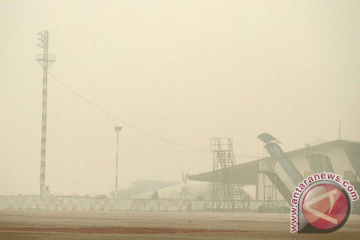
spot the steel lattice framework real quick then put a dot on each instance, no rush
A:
(226, 192)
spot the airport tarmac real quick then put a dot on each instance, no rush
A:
(38, 224)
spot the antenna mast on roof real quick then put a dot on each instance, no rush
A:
(340, 130)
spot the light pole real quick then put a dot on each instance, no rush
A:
(117, 130)
(45, 60)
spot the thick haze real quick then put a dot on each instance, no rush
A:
(185, 71)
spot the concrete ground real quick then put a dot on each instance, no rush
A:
(38, 224)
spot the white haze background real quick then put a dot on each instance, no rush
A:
(182, 70)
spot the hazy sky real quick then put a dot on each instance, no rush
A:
(185, 71)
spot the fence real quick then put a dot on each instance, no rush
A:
(73, 203)
(98, 204)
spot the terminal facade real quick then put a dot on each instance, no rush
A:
(276, 176)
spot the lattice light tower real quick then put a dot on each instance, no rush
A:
(226, 192)
(45, 60)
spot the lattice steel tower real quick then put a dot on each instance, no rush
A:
(226, 191)
(45, 60)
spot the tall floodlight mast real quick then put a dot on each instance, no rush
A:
(117, 130)
(45, 60)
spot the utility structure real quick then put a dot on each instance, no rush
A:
(117, 130)
(227, 194)
(185, 191)
(45, 60)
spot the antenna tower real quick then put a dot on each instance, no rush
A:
(45, 60)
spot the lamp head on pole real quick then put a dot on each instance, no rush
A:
(42, 38)
(118, 129)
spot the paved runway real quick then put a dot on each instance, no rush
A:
(37, 224)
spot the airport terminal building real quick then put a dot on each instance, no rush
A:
(276, 176)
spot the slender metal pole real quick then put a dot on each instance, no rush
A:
(45, 60)
(117, 159)
(43, 125)
(117, 130)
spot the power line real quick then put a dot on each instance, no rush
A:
(130, 125)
